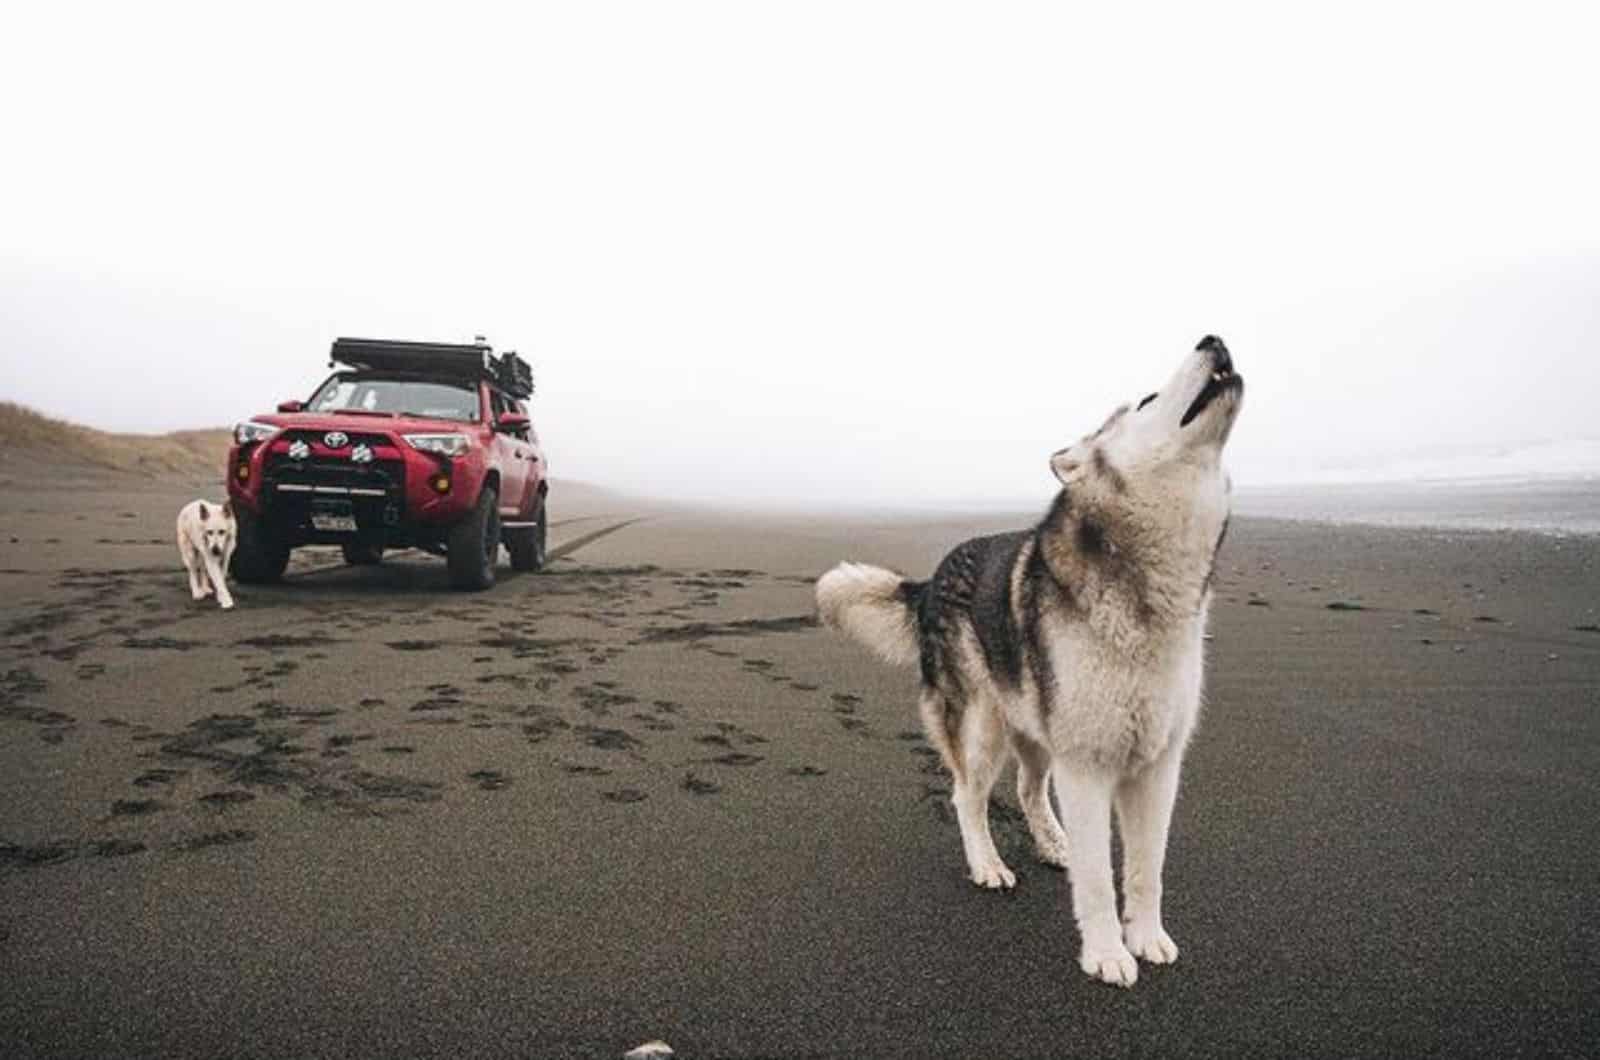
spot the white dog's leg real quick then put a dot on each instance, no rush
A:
(191, 564)
(218, 580)
(1144, 810)
(1033, 795)
(1086, 801)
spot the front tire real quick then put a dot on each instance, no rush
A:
(527, 544)
(258, 556)
(474, 544)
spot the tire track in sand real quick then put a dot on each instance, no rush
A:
(567, 549)
(560, 552)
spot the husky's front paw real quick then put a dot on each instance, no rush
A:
(1110, 964)
(994, 876)
(227, 605)
(1149, 942)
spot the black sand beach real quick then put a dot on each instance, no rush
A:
(643, 796)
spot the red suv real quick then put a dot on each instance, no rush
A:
(407, 445)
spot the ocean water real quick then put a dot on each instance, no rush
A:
(1546, 505)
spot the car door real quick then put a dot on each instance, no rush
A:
(537, 470)
(511, 457)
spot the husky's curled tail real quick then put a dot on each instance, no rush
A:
(873, 605)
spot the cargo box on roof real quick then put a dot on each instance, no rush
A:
(476, 361)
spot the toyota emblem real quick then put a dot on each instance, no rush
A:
(336, 439)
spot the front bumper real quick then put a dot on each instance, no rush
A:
(388, 490)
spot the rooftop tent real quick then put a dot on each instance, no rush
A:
(466, 362)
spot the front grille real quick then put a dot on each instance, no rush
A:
(377, 479)
(301, 492)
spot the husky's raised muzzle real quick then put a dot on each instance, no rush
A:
(1220, 379)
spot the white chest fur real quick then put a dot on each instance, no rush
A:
(1119, 704)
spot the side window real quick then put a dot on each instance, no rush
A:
(505, 404)
(502, 404)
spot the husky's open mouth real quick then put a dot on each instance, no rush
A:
(1223, 379)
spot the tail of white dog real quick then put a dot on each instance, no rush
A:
(874, 606)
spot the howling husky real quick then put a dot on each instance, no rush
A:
(1077, 646)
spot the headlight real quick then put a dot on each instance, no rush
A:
(250, 432)
(443, 444)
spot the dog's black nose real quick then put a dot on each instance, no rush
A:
(1221, 359)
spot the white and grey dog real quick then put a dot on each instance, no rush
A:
(1077, 646)
(206, 536)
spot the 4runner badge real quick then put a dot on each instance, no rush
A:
(335, 439)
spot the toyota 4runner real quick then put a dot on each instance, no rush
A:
(406, 445)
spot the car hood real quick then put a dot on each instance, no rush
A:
(364, 423)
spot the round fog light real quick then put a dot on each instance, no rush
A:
(244, 472)
(441, 483)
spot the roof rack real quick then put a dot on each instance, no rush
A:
(455, 361)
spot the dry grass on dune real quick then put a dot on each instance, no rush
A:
(22, 430)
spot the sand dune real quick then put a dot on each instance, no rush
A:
(28, 438)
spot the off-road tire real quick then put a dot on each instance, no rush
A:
(258, 557)
(361, 553)
(527, 543)
(474, 544)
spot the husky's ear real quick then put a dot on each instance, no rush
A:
(204, 515)
(227, 510)
(1069, 464)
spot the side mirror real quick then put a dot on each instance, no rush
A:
(291, 406)
(511, 423)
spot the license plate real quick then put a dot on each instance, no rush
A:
(335, 523)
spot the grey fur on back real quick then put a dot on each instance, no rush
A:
(997, 588)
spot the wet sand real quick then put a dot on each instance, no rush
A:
(642, 796)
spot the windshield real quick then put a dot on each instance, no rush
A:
(411, 397)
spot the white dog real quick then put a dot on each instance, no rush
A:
(1076, 646)
(206, 536)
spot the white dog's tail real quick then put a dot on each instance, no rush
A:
(874, 606)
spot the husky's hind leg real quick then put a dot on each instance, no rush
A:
(971, 739)
(1033, 795)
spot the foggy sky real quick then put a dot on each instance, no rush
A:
(826, 252)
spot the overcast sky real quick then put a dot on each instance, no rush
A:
(818, 252)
